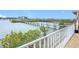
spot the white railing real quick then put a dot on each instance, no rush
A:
(52, 40)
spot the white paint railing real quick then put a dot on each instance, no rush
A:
(58, 38)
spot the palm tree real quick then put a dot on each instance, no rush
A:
(44, 29)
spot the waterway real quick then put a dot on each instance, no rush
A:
(6, 27)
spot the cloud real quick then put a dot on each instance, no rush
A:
(2, 16)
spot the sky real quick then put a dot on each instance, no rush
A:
(56, 14)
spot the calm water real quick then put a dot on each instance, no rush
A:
(6, 27)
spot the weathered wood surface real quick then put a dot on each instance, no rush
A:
(74, 42)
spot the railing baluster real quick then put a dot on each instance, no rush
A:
(53, 41)
(48, 42)
(34, 45)
(40, 44)
(59, 36)
(44, 43)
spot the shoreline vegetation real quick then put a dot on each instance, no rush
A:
(50, 20)
(17, 39)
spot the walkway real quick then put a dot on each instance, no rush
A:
(74, 42)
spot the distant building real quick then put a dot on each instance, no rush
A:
(22, 17)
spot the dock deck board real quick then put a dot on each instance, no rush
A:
(74, 42)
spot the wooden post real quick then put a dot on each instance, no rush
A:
(76, 21)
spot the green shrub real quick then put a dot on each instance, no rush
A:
(18, 39)
(63, 21)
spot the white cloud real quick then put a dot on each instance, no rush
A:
(2, 16)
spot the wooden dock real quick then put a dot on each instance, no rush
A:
(74, 41)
